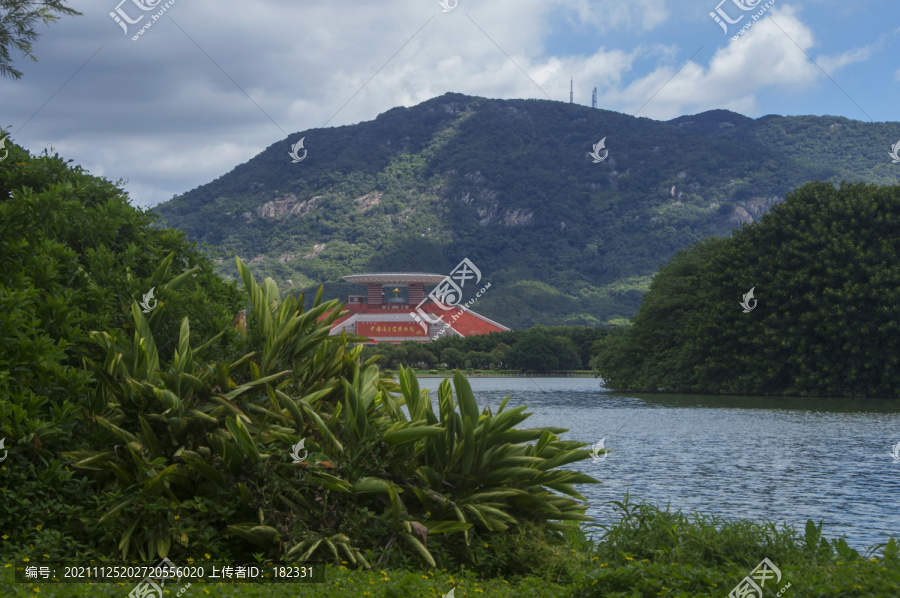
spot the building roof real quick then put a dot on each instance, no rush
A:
(395, 278)
(467, 323)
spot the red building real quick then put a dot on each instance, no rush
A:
(393, 311)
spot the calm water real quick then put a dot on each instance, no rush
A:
(786, 460)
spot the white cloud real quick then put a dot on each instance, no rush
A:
(615, 14)
(831, 64)
(160, 113)
(766, 56)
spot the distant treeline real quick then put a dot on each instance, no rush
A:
(537, 349)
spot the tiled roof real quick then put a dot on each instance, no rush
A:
(467, 323)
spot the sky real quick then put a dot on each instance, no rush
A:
(210, 84)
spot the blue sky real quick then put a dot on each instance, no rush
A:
(212, 83)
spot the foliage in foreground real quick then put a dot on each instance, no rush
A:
(17, 28)
(653, 552)
(191, 456)
(74, 255)
(823, 269)
(648, 552)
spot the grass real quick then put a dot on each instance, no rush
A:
(648, 553)
(340, 583)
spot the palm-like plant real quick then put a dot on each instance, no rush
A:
(472, 469)
(171, 431)
(172, 436)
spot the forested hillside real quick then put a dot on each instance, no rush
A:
(510, 184)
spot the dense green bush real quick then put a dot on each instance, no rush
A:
(823, 269)
(74, 256)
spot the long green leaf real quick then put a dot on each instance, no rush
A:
(467, 405)
(260, 535)
(419, 548)
(123, 434)
(208, 471)
(144, 346)
(243, 438)
(326, 432)
(407, 433)
(446, 527)
(255, 383)
(179, 280)
(370, 484)
(157, 277)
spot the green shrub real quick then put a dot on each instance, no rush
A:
(196, 456)
(815, 328)
(74, 255)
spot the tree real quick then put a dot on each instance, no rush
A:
(479, 359)
(543, 352)
(825, 311)
(393, 356)
(17, 27)
(416, 353)
(452, 357)
(500, 352)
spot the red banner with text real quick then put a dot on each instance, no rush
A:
(371, 329)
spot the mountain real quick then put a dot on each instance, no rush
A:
(511, 185)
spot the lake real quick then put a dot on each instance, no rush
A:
(782, 459)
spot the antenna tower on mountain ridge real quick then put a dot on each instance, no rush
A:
(594, 99)
(571, 91)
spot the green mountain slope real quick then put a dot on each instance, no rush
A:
(510, 184)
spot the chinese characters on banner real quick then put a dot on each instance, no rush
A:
(388, 329)
(447, 294)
